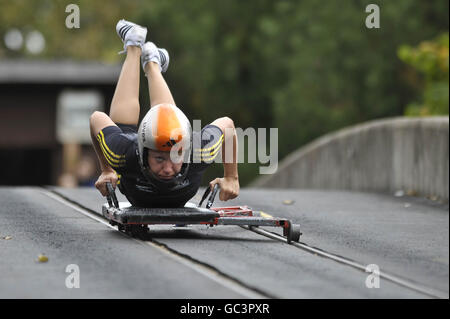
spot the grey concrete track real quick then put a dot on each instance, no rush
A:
(111, 265)
(368, 228)
(405, 236)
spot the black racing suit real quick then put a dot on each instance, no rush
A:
(119, 146)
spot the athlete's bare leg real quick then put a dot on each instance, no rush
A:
(125, 106)
(157, 86)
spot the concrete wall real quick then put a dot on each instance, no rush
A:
(409, 154)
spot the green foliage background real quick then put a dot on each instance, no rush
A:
(307, 67)
(431, 59)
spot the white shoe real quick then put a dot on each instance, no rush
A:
(150, 53)
(131, 34)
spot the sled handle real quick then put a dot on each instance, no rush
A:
(111, 197)
(211, 198)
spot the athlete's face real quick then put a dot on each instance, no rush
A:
(161, 164)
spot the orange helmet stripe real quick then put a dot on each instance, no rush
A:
(169, 131)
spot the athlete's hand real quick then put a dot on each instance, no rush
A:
(106, 176)
(229, 187)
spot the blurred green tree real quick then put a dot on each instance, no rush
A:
(90, 42)
(336, 71)
(430, 58)
(306, 67)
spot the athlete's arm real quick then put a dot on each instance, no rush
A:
(229, 184)
(98, 122)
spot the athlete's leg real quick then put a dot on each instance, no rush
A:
(157, 86)
(154, 61)
(125, 103)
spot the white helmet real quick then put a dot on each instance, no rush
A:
(165, 128)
